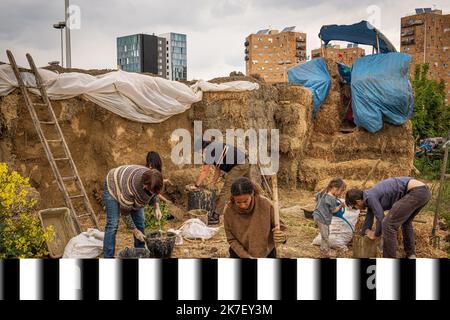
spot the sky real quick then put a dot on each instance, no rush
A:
(215, 29)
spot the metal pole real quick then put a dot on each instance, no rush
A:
(425, 43)
(62, 49)
(68, 50)
(378, 44)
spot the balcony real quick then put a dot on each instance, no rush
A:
(300, 54)
(411, 23)
(246, 58)
(299, 39)
(407, 33)
(246, 51)
(408, 41)
(246, 43)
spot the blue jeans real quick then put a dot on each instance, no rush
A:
(112, 224)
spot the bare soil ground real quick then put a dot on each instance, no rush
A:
(301, 232)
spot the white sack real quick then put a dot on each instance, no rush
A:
(340, 232)
(86, 245)
(197, 229)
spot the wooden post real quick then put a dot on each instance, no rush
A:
(441, 189)
(276, 208)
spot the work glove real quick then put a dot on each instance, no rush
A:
(279, 237)
(191, 188)
(158, 214)
(138, 235)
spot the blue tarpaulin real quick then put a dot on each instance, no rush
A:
(381, 90)
(314, 76)
(362, 32)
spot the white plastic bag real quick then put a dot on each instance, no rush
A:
(86, 245)
(340, 232)
(197, 229)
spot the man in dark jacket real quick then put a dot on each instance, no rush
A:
(404, 197)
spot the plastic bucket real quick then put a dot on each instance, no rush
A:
(160, 244)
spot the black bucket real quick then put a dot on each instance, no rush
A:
(202, 199)
(134, 253)
(160, 244)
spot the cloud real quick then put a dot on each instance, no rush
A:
(215, 29)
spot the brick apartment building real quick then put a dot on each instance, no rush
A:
(349, 54)
(270, 53)
(426, 37)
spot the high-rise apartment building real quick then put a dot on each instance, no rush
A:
(425, 35)
(142, 53)
(176, 55)
(270, 53)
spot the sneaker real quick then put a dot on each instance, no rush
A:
(213, 218)
(413, 256)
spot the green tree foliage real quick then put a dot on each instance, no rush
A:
(431, 114)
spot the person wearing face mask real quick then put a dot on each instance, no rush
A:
(249, 222)
(404, 197)
(127, 190)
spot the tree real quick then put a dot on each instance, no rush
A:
(431, 114)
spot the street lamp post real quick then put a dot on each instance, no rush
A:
(61, 25)
(68, 26)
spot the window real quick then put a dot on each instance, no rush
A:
(270, 40)
(255, 46)
(266, 61)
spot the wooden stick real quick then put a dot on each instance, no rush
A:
(363, 185)
(276, 208)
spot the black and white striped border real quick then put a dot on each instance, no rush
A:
(225, 279)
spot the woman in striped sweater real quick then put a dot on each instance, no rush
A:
(127, 190)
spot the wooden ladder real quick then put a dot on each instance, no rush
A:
(59, 141)
(434, 239)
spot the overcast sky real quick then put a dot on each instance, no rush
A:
(216, 29)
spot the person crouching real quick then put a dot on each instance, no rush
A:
(249, 222)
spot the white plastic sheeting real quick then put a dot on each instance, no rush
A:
(133, 96)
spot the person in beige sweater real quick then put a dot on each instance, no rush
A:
(249, 222)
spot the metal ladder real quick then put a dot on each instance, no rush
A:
(434, 239)
(60, 141)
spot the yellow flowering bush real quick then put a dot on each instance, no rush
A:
(21, 234)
